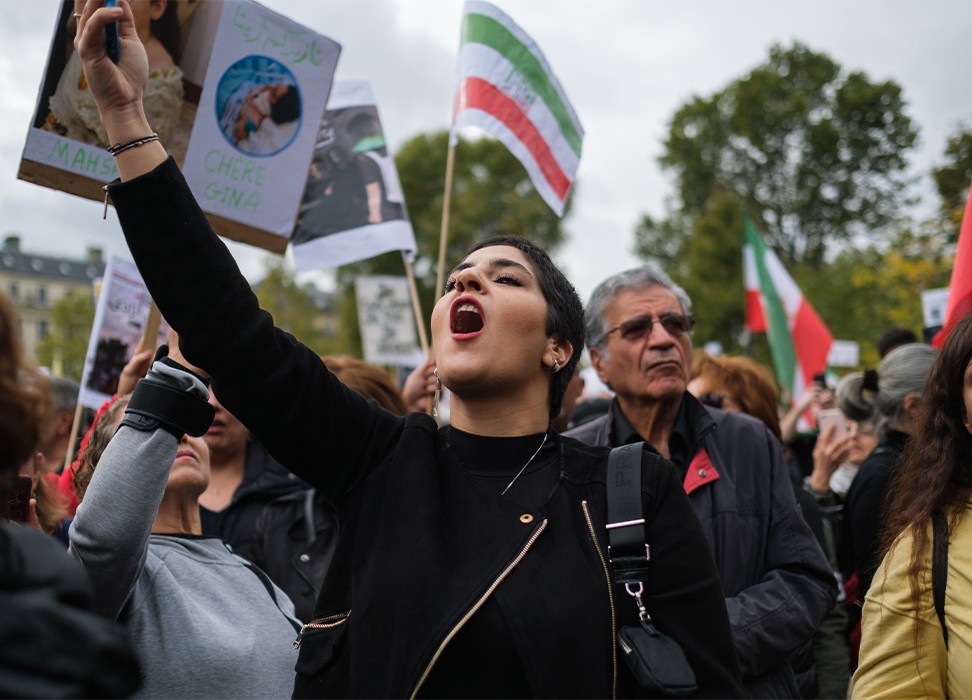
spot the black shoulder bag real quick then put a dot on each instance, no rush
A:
(656, 660)
(940, 567)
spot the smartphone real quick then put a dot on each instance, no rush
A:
(835, 416)
(820, 379)
(19, 503)
(112, 44)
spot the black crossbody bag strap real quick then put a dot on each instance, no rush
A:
(940, 567)
(627, 550)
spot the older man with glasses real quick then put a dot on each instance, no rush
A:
(777, 582)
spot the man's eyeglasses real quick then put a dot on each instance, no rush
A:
(640, 326)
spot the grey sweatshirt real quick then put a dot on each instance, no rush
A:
(204, 624)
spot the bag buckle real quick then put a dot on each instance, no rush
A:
(636, 590)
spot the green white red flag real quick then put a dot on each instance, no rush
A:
(799, 340)
(960, 288)
(506, 87)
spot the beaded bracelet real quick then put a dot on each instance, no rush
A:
(134, 143)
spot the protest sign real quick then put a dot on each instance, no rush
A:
(386, 321)
(844, 353)
(236, 98)
(353, 206)
(119, 323)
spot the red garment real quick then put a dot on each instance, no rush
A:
(64, 481)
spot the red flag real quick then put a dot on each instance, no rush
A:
(960, 287)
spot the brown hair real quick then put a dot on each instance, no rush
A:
(745, 381)
(934, 473)
(100, 435)
(369, 381)
(24, 403)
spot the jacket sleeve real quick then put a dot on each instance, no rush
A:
(111, 530)
(889, 666)
(779, 613)
(685, 597)
(277, 387)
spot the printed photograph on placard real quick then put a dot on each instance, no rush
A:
(66, 107)
(258, 106)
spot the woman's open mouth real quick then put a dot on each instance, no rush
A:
(465, 317)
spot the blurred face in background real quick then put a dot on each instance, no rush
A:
(864, 440)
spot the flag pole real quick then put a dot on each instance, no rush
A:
(444, 231)
(69, 453)
(416, 304)
(152, 323)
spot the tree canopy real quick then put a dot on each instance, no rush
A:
(66, 344)
(817, 155)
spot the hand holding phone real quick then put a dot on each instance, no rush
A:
(835, 417)
(112, 42)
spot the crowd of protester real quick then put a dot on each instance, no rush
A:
(272, 523)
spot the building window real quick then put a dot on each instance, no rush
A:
(42, 329)
(14, 290)
(42, 296)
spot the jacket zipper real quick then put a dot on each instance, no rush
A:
(321, 623)
(607, 576)
(479, 603)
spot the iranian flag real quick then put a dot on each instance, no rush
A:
(506, 87)
(960, 287)
(799, 340)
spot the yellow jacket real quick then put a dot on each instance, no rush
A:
(889, 666)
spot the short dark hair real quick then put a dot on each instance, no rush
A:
(287, 107)
(565, 312)
(893, 337)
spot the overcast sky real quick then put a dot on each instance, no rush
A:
(626, 66)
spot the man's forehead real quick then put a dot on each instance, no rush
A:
(631, 302)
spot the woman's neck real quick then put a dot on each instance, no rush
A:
(178, 515)
(505, 417)
(225, 476)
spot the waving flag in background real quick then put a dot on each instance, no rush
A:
(506, 87)
(960, 287)
(799, 340)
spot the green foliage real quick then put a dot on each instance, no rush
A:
(953, 179)
(66, 344)
(816, 155)
(492, 195)
(295, 311)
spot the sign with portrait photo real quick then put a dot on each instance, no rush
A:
(353, 206)
(120, 320)
(235, 92)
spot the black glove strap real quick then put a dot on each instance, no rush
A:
(155, 405)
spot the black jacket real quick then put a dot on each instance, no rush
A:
(421, 544)
(777, 581)
(293, 542)
(263, 481)
(864, 508)
(51, 644)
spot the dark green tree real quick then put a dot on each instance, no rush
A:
(307, 316)
(66, 344)
(492, 195)
(953, 178)
(816, 154)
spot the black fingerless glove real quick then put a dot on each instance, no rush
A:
(158, 402)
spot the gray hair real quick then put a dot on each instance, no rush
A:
(850, 399)
(647, 275)
(65, 394)
(903, 371)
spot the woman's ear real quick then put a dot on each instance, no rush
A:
(158, 8)
(911, 404)
(557, 354)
